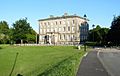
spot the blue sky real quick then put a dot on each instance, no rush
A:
(99, 12)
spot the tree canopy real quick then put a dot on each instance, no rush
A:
(23, 31)
(98, 34)
(4, 32)
(114, 33)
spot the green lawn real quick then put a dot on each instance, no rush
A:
(40, 60)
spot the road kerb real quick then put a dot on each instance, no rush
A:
(85, 54)
(98, 56)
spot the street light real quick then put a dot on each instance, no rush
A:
(93, 31)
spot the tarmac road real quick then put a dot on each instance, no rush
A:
(91, 66)
(110, 59)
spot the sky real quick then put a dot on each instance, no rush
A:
(99, 12)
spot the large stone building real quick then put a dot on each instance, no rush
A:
(67, 29)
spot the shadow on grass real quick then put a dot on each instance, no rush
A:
(75, 47)
(0, 47)
(48, 71)
(14, 64)
(67, 67)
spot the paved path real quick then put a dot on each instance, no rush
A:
(91, 66)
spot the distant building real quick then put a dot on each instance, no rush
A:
(67, 29)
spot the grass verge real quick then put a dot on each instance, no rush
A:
(40, 60)
(67, 67)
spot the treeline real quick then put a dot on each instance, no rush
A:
(20, 32)
(106, 36)
(98, 35)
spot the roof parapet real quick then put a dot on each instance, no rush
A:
(64, 16)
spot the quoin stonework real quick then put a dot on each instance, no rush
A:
(65, 30)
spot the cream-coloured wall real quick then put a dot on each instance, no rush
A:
(60, 27)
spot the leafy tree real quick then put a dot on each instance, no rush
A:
(98, 34)
(114, 33)
(30, 38)
(94, 34)
(4, 32)
(22, 31)
(103, 33)
(4, 27)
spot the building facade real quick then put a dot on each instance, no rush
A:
(84, 29)
(62, 30)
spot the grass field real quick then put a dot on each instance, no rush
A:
(39, 60)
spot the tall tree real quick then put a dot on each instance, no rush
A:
(103, 33)
(4, 28)
(94, 34)
(21, 30)
(4, 32)
(98, 34)
(114, 33)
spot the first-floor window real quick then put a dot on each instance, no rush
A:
(63, 28)
(64, 37)
(60, 37)
(69, 28)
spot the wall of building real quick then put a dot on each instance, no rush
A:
(60, 31)
(84, 29)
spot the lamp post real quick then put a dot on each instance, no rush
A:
(93, 31)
